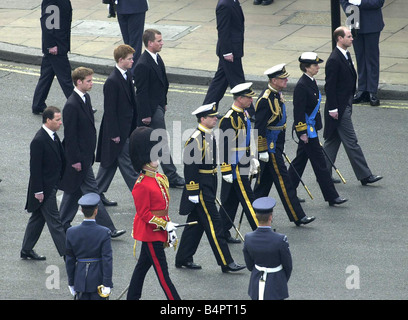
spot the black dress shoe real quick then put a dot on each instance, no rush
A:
(301, 199)
(188, 265)
(305, 220)
(361, 96)
(266, 2)
(338, 200)
(374, 101)
(179, 182)
(233, 240)
(232, 267)
(370, 179)
(335, 180)
(37, 112)
(257, 2)
(107, 202)
(117, 233)
(30, 254)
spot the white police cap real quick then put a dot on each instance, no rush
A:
(278, 71)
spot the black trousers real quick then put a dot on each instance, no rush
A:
(233, 194)
(210, 222)
(275, 171)
(47, 213)
(313, 151)
(151, 254)
(51, 66)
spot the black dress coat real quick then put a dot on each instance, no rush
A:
(119, 118)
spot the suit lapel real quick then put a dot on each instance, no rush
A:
(346, 63)
(125, 83)
(54, 146)
(156, 66)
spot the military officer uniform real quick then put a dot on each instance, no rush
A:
(271, 125)
(307, 120)
(199, 196)
(89, 255)
(268, 257)
(237, 162)
(151, 224)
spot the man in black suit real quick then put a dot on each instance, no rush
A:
(230, 50)
(267, 256)
(340, 87)
(46, 168)
(131, 18)
(151, 98)
(118, 122)
(80, 143)
(56, 19)
(366, 46)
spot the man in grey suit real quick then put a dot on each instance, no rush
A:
(118, 122)
(267, 256)
(340, 87)
(366, 47)
(46, 169)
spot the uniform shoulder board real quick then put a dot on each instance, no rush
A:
(195, 135)
(140, 178)
(266, 93)
(228, 114)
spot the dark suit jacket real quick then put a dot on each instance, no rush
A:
(305, 99)
(131, 6)
(79, 140)
(56, 35)
(46, 167)
(230, 26)
(89, 241)
(371, 18)
(340, 87)
(119, 118)
(151, 85)
(269, 249)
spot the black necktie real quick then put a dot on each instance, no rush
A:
(349, 59)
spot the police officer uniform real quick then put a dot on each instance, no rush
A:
(237, 162)
(89, 256)
(151, 224)
(268, 257)
(199, 195)
(307, 120)
(271, 125)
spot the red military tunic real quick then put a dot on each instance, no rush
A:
(151, 198)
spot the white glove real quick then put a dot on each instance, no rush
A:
(228, 178)
(355, 2)
(253, 166)
(172, 240)
(106, 290)
(193, 199)
(171, 226)
(71, 290)
(264, 156)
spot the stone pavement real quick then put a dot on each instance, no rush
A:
(274, 34)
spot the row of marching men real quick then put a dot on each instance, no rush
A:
(266, 253)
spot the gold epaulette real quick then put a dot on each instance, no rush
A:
(262, 144)
(193, 136)
(301, 127)
(140, 178)
(266, 94)
(192, 186)
(225, 167)
(226, 116)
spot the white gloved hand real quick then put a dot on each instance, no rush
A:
(355, 2)
(228, 178)
(253, 166)
(72, 290)
(106, 290)
(172, 240)
(193, 199)
(264, 156)
(171, 226)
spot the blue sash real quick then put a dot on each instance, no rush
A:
(272, 135)
(310, 120)
(240, 153)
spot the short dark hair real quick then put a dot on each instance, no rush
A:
(339, 32)
(262, 217)
(49, 113)
(81, 73)
(149, 35)
(88, 211)
(122, 51)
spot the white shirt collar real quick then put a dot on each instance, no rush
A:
(344, 52)
(311, 78)
(154, 55)
(123, 72)
(50, 132)
(80, 93)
